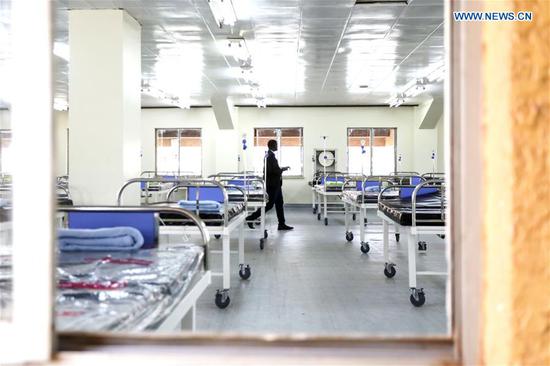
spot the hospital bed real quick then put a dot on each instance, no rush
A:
(362, 197)
(256, 195)
(157, 191)
(330, 185)
(434, 175)
(223, 220)
(154, 288)
(418, 210)
(403, 177)
(316, 180)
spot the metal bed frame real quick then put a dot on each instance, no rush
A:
(317, 177)
(321, 195)
(435, 175)
(224, 230)
(251, 205)
(183, 312)
(362, 207)
(417, 297)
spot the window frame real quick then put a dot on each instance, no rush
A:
(371, 145)
(465, 169)
(286, 176)
(179, 129)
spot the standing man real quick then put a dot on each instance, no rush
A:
(273, 184)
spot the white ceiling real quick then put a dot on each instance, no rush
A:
(304, 52)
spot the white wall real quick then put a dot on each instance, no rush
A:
(61, 124)
(5, 119)
(104, 105)
(221, 147)
(425, 142)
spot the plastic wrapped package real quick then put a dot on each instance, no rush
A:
(122, 291)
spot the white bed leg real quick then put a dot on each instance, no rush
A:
(226, 254)
(411, 249)
(325, 206)
(313, 198)
(362, 225)
(396, 228)
(188, 321)
(262, 221)
(346, 217)
(386, 239)
(241, 243)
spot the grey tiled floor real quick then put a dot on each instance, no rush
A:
(311, 280)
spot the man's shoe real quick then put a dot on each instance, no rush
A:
(285, 227)
(251, 225)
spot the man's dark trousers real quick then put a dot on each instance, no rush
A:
(275, 199)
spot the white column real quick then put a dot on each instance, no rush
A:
(104, 105)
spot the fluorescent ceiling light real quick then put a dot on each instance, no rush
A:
(181, 102)
(436, 75)
(396, 100)
(223, 12)
(61, 50)
(237, 48)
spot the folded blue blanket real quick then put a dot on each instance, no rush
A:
(372, 189)
(123, 238)
(205, 206)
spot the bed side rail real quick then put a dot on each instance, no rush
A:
(154, 209)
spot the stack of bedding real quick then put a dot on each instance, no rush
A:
(122, 290)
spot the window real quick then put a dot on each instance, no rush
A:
(380, 146)
(178, 151)
(290, 153)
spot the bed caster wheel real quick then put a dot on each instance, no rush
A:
(442, 236)
(365, 221)
(353, 217)
(262, 244)
(265, 234)
(349, 236)
(217, 236)
(389, 270)
(314, 210)
(245, 272)
(319, 216)
(326, 221)
(417, 297)
(222, 299)
(422, 246)
(365, 247)
(397, 235)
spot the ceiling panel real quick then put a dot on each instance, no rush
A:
(303, 51)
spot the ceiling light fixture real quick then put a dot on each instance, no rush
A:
(396, 100)
(436, 75)
(159, 94)
(237, 48)
(223, 11)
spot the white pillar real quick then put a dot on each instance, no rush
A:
(104, 105)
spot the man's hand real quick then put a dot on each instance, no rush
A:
(285, 168)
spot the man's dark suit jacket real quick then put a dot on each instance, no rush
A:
(274, 173)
